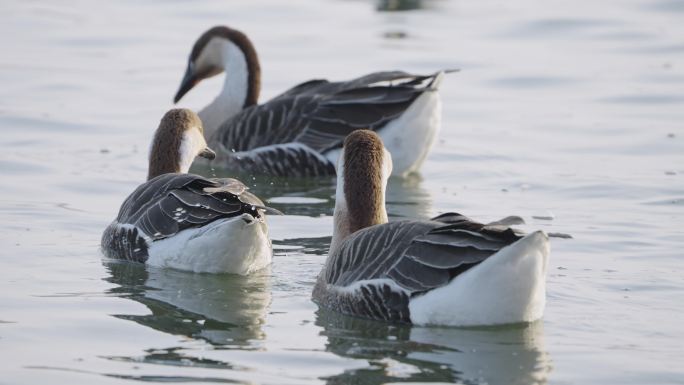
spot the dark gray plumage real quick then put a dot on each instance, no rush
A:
(388, 264)
(318, 114)
(287, 160)
(168, 204)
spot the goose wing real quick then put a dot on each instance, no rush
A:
(325, 87)
(287, 159)
(320, 114)
(170, 203)
(376, 270)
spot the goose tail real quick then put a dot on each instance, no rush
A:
(438, 77)
(508, 287)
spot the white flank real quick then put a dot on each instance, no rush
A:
(508, 287)
(224, 54)
(410, 137)
(238, 245)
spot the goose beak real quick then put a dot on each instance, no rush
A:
(189, 81)
(208, 153)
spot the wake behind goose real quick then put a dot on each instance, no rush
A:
(448, 270)
(186, 221)
(300, 132)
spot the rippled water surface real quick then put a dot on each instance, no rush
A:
(569, 114)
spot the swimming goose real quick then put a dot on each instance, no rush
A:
(186, 221)
(300, 132)
(448, 270)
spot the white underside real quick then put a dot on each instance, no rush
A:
(410, 137)
(230, 245)
(508, 287)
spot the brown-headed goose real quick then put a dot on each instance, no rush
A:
(186, 221)
(300, 132)
(448, 270)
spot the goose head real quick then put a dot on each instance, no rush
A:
(176, 143)
(363, 169)
(223, 49)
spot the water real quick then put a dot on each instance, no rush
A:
(568, 114)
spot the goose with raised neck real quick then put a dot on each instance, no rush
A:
(300, 132)
(222, 49)
(449, 270)
(185, 221)
(176, 143)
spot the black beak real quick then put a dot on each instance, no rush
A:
(208, 153)
(189, 81)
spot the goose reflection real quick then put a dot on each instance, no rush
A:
(513, 354)
(407, 198)
(221, 309)
(399, 5)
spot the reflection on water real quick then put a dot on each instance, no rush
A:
(301, 192)
(312, 246)
(224, 310)
(399, 5)
(513, 354)
(406, 197)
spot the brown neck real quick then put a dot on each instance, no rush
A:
(363, 180)
(163, 160)
(254, 76)
(166, 144)
(242, 41)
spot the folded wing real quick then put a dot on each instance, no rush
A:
(377, 270)
(320, 114)
(171, 203)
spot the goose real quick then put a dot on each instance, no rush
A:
(299, 133)
(449, 270)
(185, 221)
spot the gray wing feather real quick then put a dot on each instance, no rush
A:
(377, 300)
(320, 114)
(289, 159)
(166, 205)
(417, 256)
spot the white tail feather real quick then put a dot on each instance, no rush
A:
(508, 287)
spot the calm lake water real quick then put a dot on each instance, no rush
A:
(567, 113)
